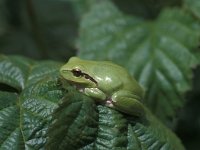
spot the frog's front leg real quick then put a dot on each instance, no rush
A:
(95, 93)
(126, 102)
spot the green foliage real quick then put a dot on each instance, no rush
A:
(158, 53)
(193, 6)
(157, 41)
(32, 91)
(148, 9)
(75, 123)
(80, 124)
(38, 30)
(29, 92)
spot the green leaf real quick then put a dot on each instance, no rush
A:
(112, 130)
(145, 8)
(193, 6)
(157, 53)
(29, 92)
(81, 7)
(75, 123)
(32, 113)
(14, 71)
(77, 126)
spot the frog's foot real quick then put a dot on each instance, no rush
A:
(95, 93)
(82, 90)
(126, 102)
(109, 103)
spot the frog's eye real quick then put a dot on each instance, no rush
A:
(77, 73)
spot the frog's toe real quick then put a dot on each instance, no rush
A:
(109, 103)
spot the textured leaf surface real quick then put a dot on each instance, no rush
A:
(29, 92)
(193, 6)
(109, 130)
(75, 123)
(158, 53)
(32, 117)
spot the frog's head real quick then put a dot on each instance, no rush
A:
(77, 71)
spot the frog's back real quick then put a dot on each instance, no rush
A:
(120, 74)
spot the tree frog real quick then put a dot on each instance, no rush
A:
(106, 82)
